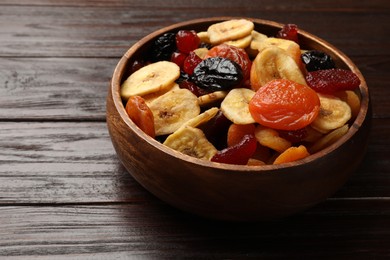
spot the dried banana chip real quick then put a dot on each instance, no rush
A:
(173, 109)
(191, 141)
(229, 30)
(151, 78)
(333, 114)
(235, 106)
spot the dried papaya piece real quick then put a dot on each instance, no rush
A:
(292, 154)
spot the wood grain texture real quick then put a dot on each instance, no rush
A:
(98, 29)
(158, 231)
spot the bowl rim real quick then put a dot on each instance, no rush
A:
(117, 100)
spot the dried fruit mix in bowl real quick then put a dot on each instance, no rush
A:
(234, 95)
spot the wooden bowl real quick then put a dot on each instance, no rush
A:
(233, 192)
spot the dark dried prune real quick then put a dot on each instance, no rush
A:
(217, 73)
(317, 60)
(163, 47)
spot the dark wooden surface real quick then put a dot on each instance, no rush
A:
(63, 192)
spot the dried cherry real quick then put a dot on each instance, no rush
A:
(238, 153)
(187, 41)
(289, 32)
(217, 73)
(190, 62)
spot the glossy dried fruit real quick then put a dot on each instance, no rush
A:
(292, 154)
(284, 104)
(233, 53)
(193, 88)
(190, 62)
(140, 114)
(163, 47)
(289, 32)
(187, 41)
(239, 153)
(217, 73)
(317, 60)
(332, 80)
(237, 132)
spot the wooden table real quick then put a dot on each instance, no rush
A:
(63, 192)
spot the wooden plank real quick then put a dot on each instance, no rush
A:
(54, 88)
(75, 162)
(332, 229)
(38, 30)
(76, 88)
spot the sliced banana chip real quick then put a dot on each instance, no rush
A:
(292, 48)
(352, 99)
(274, 63)
(212, 97)
(333, 114)
(253, 48)
(173, 109)
(152, 96)
(201, 52)
(229, 30)
(241, 43)
(191, 141)
(329, 139)
(235, 106)
(202, 118)
(151, 78)
(204, 37)
(270, 138)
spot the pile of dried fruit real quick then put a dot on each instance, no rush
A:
(234, 95)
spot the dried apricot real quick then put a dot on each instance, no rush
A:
(284, 105)
(141, 114)
(236, 132)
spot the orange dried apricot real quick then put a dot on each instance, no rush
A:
(284, 105)
(140, 114)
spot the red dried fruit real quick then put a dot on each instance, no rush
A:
(289, 32)
(293, 136)
(239, 153)
(178, 58)
(191, 62)
(140, 114)
(197, 91)
(332, 80)
(187, 41)
(235, 54)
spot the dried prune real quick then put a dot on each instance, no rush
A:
(217, 73)
(317, 60)
(163, 47)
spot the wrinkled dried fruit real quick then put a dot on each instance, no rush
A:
(163, 47)
(235, 54)
(285, 105)
(190, 62)
(332, 80)
(239, 153)
(317, 60)
(217, 73)
(140, 114)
